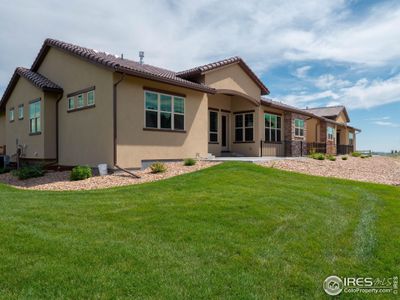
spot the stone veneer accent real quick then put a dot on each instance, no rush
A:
(294, 145)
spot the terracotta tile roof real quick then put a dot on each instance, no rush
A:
(36, 79)
(232, 60)
(119, 64)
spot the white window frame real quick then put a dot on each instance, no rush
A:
(87, 98)
(73, 103)
(332, 134)
(351, 140)
(273, 129)
(20, 109)
(38, 119)
(83, 101)
(300, 129)
(209, 127)
(11, 114)
(159, 111)
(244, 127)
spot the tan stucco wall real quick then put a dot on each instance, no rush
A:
(49, 123)
(313, 130)
(86, 136)
(2, 128)
(341, 118)
(136, 144)
(232, 77)
(23, 93)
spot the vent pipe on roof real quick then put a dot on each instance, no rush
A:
(141, 56)
(122, 56)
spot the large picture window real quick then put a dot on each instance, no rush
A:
(299, 127)
(213, 134)
(244, 127)
(163, 111)
(273, 127)
(34, 117)
(330, 133)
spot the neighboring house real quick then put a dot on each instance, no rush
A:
(80, 106)
(331, 130)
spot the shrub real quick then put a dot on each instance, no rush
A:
(356, 154)
(29, 172)
(318, 156)
(331, 157)
(81, 173)
(189, 162)
(158, 167)
(344, 157)
(5, 170)
(365, 156)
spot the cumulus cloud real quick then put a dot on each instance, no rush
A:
(302, 72)
(387, 124)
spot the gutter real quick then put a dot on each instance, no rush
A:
(115, 85)
(57, 127)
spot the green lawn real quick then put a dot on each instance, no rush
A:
(234, 231)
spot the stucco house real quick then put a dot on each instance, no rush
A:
(76, 105)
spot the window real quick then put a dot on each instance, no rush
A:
(299, 127)
(34, 117)
(71, 103)
(11, 115)
(164, 111)
(90, 98)
(213, 136)
(351, 138)
(330, 133)
(20, 111)
(244, 127)
(273, 127)
(81, 102)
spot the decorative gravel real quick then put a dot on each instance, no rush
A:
(378, 169)
(59, 181)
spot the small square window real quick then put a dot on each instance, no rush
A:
(21, 112)
(11, 115)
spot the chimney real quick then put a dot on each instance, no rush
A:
(141, 56)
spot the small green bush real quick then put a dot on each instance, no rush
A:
(318, 156)
(365, 156)
(80, 173)
(29, 172)
(5, 170)
(331, 157)
(158, 167)
(189, 162)
(356, 154)
(344, 157)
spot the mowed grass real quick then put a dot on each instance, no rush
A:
(234, 231)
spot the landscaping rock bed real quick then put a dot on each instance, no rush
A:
(378, 169)
(60, 181)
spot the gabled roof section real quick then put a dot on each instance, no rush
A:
(118, 64)
(225, 62)
(36, 79)
(329, 111)
(285, 107)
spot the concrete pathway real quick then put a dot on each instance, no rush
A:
(254, 159)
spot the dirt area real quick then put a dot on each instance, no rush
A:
(59, 181)
(376, 169)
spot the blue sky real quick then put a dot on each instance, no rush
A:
(309, 53)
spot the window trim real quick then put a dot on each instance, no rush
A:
(299, 128)
(159, 111)
(87, 98)
(352, 138)
(19, 107)
(244, 127)
(84, 93)
(209, 127)
(73, 102)
(11, 110)
(333, 133)
(37, 132)
(280, 129)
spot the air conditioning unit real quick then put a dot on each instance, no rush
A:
(4, 161)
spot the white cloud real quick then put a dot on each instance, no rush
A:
(328, 81)
(387, 124)
(363, 94)
(302, 72)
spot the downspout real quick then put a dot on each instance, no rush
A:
(115, 117)
(57, 127)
